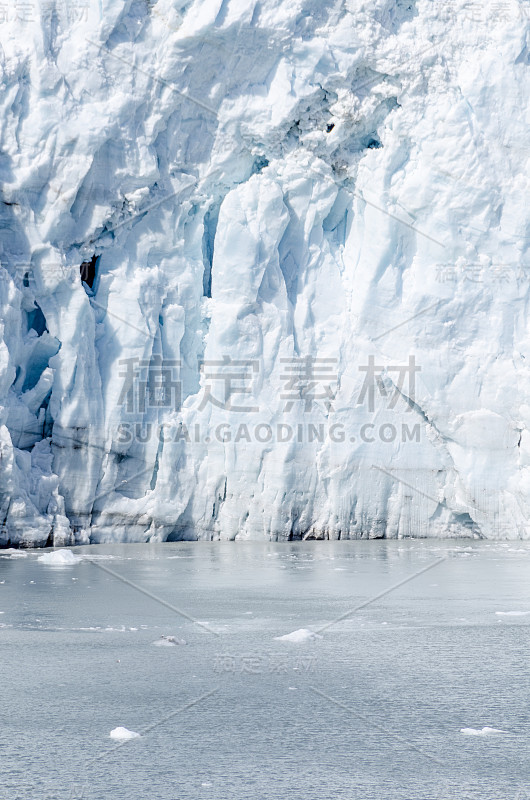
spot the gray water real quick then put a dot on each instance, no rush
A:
(401, 676)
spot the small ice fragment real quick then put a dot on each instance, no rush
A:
(123, 734)
(168, 641)
(59, 558)
(480, 731)
(299, 636)
(205, 784)
(512, 613)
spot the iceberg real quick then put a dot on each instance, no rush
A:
(123, 734)
(168, 641)
(59, 558)
(480, 731)
(299, 637)
(512, 613)
(264, 271)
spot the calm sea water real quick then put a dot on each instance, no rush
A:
(373, 710)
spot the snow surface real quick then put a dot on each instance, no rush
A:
(261, 182)
(123, 734)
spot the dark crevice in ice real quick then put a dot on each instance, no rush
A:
(259, 165)
(37, 320)
(372, 143)
(208, 243)
(89, 275)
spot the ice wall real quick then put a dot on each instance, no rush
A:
(264, 269)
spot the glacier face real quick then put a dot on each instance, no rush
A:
(264, 270)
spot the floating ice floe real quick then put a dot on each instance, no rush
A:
(123, 734)
(299, 636)
(169, 641)
(11, 553)
(59, 558)
(512, 613)
(480, 731)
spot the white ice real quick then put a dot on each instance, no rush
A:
(168, 641)
(480, 731)
(262, 182)
(123, 734)
(512, 613)
(299, 636)
(59, 558)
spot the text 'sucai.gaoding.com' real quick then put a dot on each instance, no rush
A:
(264, 433)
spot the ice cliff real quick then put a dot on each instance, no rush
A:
(264, 269)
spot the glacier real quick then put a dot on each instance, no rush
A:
(264, 270)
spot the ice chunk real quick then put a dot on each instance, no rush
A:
(299, 636)
(168, 641)
(480, 731)
(123, 734)
(59, 558)
(512, 613)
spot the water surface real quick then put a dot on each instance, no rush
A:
(401, 677)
